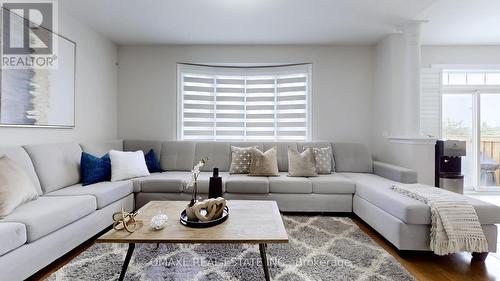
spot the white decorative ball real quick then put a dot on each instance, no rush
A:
(159, 221)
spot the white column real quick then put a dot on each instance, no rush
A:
(410, 97)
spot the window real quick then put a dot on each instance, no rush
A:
(244, 103)
(470, 77)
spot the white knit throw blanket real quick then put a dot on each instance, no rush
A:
(455, 226)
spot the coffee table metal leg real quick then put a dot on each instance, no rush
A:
(131, 247)
(263, 256)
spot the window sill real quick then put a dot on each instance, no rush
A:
(413, 140)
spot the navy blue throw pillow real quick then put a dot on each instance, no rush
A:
(95, 169)
(152, 162)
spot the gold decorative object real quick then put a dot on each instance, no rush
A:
(124, 220)
(213, 209)
(218, 204)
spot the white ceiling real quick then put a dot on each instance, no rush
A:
(286, 21)
(470, 22)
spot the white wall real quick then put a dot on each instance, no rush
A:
(96, 90)
(342, 86)
(460, 55)
(387, 112)
(387, 86)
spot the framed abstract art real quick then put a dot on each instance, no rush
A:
(34, 95)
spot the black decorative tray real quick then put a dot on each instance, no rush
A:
(202, 224)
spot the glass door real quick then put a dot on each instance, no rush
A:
(471, 112)
(458, 124)
(489, 142)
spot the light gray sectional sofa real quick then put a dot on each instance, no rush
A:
(67, 214)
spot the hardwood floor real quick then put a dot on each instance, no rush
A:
(423, 265)
(427, 266)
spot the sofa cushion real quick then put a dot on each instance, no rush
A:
(218, 153)
(13, 236)
(178, 155)
(144, 145)
(57, 165)
(136, 182)
(21, 157)
(377, 191)
(247, 184)
(102, 147)
(50, 213)
(352, 157)
(332, 184)
(395, 173)
(165, 182)
(203, 180)
(104, 192)
(287, 184)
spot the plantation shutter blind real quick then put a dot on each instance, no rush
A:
(430, 102)
(250, 103)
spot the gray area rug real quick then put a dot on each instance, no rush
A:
(320, 248)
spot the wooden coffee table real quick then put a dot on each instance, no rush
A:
(250, 222)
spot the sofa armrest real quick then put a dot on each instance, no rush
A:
(395, 173)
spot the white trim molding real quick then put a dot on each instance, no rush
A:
(412, 140)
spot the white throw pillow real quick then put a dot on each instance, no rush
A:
(16, 187)
(127, 165)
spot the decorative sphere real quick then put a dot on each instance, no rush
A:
(159, 221)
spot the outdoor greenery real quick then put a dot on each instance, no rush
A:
(458, 129)
(487, 130)
(455, 128)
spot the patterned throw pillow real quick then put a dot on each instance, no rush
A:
(323, 158)
(240, 162)
(264, 163)
(301, 164)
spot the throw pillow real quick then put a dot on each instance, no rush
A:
(94, 169)
(127, 165)
(240, 160)
(16, 187)
(152, 162)
(301, 164)
(323, 158)
(264, 163)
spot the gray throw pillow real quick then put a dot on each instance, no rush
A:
(240, 160)
(323, 159)
(301, 164)
(16, 187)
(264, 163)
